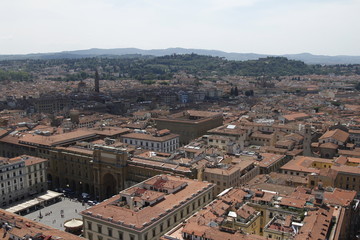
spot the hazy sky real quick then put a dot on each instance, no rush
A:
(330, 27)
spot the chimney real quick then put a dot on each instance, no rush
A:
(131, 203)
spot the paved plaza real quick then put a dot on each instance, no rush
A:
(51, 215)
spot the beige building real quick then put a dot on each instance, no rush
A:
(269, 162)
(161, 141)
(190, 124)
(325, 172)
(243, 213)
(21, 177)
(238, 172)
(147, 210)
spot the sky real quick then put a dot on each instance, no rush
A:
(326, 27)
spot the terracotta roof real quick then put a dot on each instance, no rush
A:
(340, 197)
(336, 134)
(292, 202)
(347, 169)
(303, 164)
(329, 145)
(109, 209)
(109, 131)
(55, 140)
(269, 159)
(295, 116)
(29, 160)
(31, 228)
(349, 153)
(316, 225)
(245, 211)
(207, 232)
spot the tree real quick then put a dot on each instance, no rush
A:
(97, 79)
(83, 75)
(357, 86)
(236, 92)
(232, 92)
(249, 93)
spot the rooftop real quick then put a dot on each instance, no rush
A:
(55, 140)
(22, 227)
(133, 209)
(336, 134)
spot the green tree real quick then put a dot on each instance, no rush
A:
(236, 92)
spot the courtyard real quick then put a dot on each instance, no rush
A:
(56, 214)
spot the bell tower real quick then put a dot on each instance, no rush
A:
(307, 141)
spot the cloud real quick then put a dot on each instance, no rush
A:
(262, 26)
(6, 37)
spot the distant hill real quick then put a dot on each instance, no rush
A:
(133, 52)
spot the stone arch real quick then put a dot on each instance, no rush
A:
(109, 183)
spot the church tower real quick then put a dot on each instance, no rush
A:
(97, 84)
(307, 141)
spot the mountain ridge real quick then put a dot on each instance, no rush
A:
(307, 58)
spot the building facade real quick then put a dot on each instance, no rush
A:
(21, 177)
(147, 210)
(161, 141)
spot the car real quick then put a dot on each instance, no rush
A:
(85, 195)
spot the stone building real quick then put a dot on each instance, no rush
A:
(147, 210)
(21, 177)
(190, 124)
(161, 141)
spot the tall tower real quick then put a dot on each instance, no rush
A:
(97, 78)
(307, 141)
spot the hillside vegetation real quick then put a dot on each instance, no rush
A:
(160, 68)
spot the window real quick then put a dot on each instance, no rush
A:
(89, 225)
(161, 227)
(110, 232)
(99, 228)
(121, 236)
(90, 236)
(132, 237)
(154, 232)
